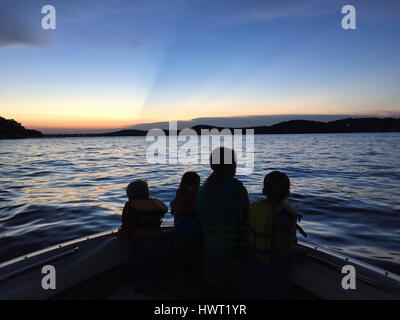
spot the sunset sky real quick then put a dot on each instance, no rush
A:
(110, 64)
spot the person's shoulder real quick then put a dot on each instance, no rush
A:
(204, 188)
(238, 183)
(179, 191)
(159, 204)
(128, 205)
(148, 205)
(288, 209)
(125, 210)
(286, 214)
(259, 203)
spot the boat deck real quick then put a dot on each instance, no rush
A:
(112, 285)
(100, 267)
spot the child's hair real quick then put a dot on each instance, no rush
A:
(137, 189)
(190, 178)
(223, 163)
(222, 159)
(276, 186)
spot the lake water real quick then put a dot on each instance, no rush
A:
(346, 186)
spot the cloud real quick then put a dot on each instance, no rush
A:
(142, 21)
(16, 30)
(233, 12)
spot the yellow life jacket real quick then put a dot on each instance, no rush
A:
(261, 221)
(148, 217)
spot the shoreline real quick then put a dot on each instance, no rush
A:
(51, 136)
(348, 125)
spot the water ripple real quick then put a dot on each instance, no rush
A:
(346, 186)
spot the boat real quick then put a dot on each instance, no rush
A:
(98, 266)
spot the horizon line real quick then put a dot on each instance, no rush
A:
(111, 130)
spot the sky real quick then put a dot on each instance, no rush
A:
(114, 63)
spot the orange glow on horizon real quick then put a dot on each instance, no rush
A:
(76, 123)
(110, 113)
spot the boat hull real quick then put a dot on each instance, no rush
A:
(319, 272)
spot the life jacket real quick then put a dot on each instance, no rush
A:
(219, 210)
(143, 217)
(184, 203)
(183, 208)
(261, 224)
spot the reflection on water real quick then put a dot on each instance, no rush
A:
(346, 186)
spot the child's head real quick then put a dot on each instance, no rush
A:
(276, 186)
(190, 179)
(137, 189)
(223, 161)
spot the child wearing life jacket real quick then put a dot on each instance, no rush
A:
(223, 209)
(141, 221)
(142, 215)
(187, 238)
(272, 241)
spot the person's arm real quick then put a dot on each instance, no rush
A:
(281, 232)
(244, 219)
(125, 217)
(123, 229)
(242, 228)
(159, 208)
(245, 208)
(163, 208)
(172, 204)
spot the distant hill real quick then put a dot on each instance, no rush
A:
(119, 133)
(11, 129)
(247, 121)
(348, 125)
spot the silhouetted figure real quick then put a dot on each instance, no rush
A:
(222, 208)
(187, 238)
(141, 220)
(272, 241)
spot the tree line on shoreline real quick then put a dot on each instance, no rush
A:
(10, 129)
